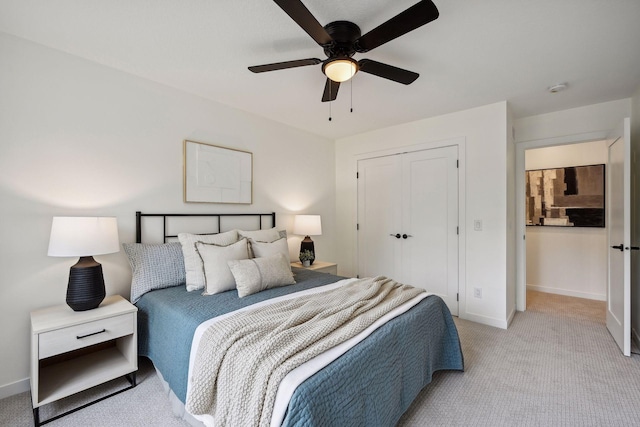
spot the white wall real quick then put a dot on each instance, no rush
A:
(564, 260)
(510, 302)
(575, 121)
(77, 138)
(635, 214)
(484, 133)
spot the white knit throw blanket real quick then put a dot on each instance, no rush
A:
(242, 359)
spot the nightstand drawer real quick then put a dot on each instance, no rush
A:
(84, 335)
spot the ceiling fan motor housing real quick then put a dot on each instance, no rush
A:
(344, 35)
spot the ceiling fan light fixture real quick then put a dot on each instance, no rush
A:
(340, 69)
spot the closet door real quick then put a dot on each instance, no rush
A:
(379, 217)
(430, 222)
(407, 220)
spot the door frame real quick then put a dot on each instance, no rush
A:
(459, 142)
(521, 246)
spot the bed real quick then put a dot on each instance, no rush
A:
(372, 383)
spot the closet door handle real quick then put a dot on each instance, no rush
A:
(404, 236)
(397, 236)
(620, 247)
(633, 248)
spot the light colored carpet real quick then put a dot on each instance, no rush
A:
(144, 405)
(556, 365)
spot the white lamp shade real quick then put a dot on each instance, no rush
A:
(307, 225)
(83, 236)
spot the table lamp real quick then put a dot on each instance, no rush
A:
(307, 225)
(84, 237)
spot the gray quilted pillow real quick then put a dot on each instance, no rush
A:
(154, 266)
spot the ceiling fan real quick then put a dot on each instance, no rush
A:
(342, 39)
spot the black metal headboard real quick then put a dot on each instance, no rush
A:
(217, 221)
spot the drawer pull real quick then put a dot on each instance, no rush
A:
(88, 335)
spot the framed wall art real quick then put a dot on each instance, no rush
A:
(566, 197)
(214, 174)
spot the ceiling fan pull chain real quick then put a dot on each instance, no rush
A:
(351, 87)
(330, 102)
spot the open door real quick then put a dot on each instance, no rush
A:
(619, 236)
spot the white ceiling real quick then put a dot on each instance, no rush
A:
(476, 53)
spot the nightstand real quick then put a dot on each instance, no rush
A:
(319, 266)
(72, 351)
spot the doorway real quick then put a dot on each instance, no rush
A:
(521, 230)
(567, 260)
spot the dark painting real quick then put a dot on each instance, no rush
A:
(566, 197)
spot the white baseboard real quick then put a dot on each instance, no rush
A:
(14, 388)
(566, 292)
(489, 321)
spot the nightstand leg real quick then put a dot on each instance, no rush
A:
(36, 411)
(131, 378)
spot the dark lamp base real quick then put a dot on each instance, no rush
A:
(86, 285)
(307, 244)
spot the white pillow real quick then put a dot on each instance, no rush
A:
(268, 235)
(192, 261)
(258, 274)
(264, 249)
(217, 274)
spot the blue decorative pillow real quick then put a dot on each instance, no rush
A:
(154, 266)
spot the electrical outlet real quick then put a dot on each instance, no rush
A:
(477, 293)
(477, 225)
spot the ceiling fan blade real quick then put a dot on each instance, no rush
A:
(301, 15)
(387, 71)
(416, 16)
(284, 65)
(330, 90)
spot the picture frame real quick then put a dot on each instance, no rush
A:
(572, 196)
(216, 174)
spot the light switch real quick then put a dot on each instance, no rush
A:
(477, 225)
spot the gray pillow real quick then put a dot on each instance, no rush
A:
(264, 249)
(258, 274)
(154, 266)
(218, 277)
(267, 235)
(193, 262)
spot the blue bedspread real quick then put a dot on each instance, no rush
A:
(372, 384)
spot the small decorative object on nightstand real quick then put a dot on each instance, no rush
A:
(84, 237)
(319, 266)
(307, 225)
(74, 351)
(306, 257)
